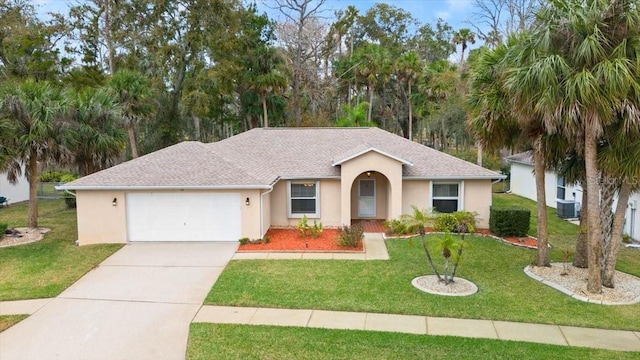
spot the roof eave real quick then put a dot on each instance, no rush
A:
(165, 187)
(457, 177)
(341, 161)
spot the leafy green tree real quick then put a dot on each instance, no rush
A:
(592, 52)
(463, 37)
(355, 116)
(94, 135)
(31, 111)
(409, 68)
(266, 77)
(133, 94)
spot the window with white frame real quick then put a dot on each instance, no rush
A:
(445, 197)
(561, 188)
(303, 199)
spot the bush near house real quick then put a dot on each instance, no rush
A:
(350, 236)
(3, 228)
(456, 222)
(509, 221)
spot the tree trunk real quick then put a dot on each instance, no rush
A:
(196, 128)
(539, 166)
(608, 188)
(132, 139)
(479, 159)
(609, 267)
(410, 112)
(370, 88)
(107, 35)
(34, 178)
(580, 259)
(429, 259)
(265, 119)
(594, 283)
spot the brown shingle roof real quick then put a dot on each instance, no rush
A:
(521, 158)
(260, 156)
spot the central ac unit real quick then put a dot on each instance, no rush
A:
(568, 209)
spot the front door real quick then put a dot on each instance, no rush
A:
(367, 198)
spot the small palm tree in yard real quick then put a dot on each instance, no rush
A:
(450, 246)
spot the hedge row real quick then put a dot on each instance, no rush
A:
(509, 221)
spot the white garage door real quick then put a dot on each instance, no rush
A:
(183, 216)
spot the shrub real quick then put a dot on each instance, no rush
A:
(445, 223)
(307, 230)
(350, 236)
(266, 239)
(456, 222)
(244, 240)
(3, 229)
(510, 221)
(57, 176)
(394, 227)
(316, 229)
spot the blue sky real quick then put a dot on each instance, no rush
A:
(455, 12)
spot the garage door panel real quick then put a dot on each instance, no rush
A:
(183, 217)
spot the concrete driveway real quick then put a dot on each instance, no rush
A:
(137, 304)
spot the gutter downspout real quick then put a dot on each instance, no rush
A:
(262, 232)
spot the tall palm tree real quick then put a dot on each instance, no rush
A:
(373, 69)
(463, 37)
(134, 92)
(409, 67)
(593, 48)
(265, 77)
(30, 111)
(94, 137)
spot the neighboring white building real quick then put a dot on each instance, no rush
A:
(15, 193)
(560, 194)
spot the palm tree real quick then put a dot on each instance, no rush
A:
(355, 116)
(133, 93)
(409, 67)
(419, 221)
(30, 111)
(501, 100)
(265, 77)
(592, 48)
(95, 139)
(463, 37)
(373, 69)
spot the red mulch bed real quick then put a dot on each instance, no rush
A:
(291, 240)
(528, 241)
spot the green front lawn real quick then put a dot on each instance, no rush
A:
(207, 341)
(45, 268)
(7, 321)
(505, 292)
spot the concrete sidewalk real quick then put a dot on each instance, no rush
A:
(374, 249)
(424, 325)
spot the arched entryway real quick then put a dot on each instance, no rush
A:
(370, 196)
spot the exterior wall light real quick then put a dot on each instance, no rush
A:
(114, 202)
(247, 202)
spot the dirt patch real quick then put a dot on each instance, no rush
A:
(23, 236)
(291, 240)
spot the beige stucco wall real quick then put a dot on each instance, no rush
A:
(415, 192)
(382, 195)
(372, 161)
(329, 204)
(101, 222)
(98, 220)
(477, 198)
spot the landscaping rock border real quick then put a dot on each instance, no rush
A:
(430, 284)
